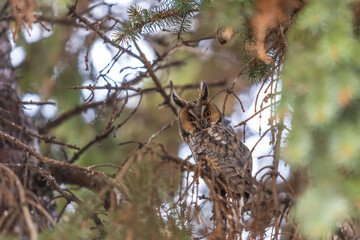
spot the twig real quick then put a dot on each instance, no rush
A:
(52, 181)
(94, 27)
(45, 159)
(4, 111)
(245, 121)
(67, 115)
(43, 211)
(46, 139)
(155, 79)
(150, 139)
(231, 89)
(37, 103)
(252, 150)
(89, 144)
(24, 207)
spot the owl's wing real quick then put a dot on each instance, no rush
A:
(245, 154)
(239, 179)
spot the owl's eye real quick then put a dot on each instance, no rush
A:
(207, 113)
(191, 119)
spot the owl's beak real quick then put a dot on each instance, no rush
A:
(203, 123)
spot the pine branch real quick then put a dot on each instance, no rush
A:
(175, 14)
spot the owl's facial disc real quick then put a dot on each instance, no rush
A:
(198, 116)
(215, 115)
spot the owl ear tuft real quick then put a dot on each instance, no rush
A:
(203, 91)
(178, 101)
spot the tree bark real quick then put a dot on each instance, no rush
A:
(10, 154)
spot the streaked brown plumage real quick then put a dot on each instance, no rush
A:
(212, 140)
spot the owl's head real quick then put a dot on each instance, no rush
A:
(197, 115)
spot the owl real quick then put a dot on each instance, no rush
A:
(214, 142)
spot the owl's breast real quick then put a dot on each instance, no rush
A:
(218, 143)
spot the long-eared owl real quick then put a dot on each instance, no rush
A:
(213, 141)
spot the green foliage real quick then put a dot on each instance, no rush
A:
(322, 209)
(257, 70)
(149, 212)
(321, 89)
(232, 13)
(77, 223)
(175, 14)
(237, 15)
